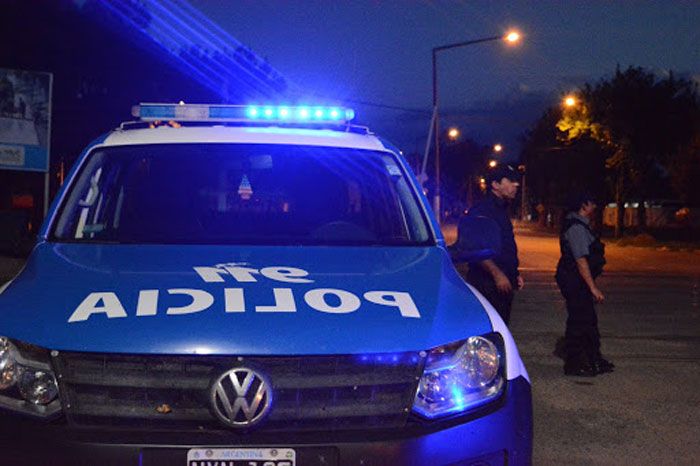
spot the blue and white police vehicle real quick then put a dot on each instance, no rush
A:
(252, 285)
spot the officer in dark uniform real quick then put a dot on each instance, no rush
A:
(582, 261)
(498, 277)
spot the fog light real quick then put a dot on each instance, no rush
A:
(36, 386)
(8, 366)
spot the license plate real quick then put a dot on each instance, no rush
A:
(241, 457)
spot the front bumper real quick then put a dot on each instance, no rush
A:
(500, 436)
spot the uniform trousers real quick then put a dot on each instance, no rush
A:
(582, 336)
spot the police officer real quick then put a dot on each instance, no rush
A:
(582, 260)
(498, 277)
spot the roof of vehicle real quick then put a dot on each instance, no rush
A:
(220, 124)
(244, 135)
(180, 123)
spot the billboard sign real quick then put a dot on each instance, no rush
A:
(25, 120)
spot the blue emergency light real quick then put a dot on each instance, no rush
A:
(243, 113)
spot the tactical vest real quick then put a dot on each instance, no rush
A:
(596, 250)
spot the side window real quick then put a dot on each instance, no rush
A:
(418, 230)
(406, 203)
(82, 199)
(93, 202)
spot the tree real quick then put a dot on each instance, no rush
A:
(555, 166)
(642, 121)
(461, 162)
(685, 171)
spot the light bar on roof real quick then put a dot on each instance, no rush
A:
(244, 113)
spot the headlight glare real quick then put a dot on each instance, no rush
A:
(459, 377)
(480, 361)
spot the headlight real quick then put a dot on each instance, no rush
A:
(27, 383)
(459, 377)
(8, 364)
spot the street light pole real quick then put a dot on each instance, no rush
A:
(436, 135)
(511, 37)
(523, 197)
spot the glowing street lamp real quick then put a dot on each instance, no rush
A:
(511, 38)
(497, 148)
(570, 101)
(453, 134)
(493, 163)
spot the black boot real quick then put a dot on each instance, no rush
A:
(603, 366)
(579, 370)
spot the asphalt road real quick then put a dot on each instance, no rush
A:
(648, 410)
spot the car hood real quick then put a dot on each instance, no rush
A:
(172, 299)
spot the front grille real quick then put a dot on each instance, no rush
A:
(310, 392)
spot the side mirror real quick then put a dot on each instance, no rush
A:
(472, 255)
(478, 239)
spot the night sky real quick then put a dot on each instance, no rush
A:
(380, 52)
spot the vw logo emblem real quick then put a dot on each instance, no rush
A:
(241, 397)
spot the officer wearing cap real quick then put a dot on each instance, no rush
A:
(582, 261)
(497, 278)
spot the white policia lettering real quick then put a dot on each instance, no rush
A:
(107, 302)
(326, 300)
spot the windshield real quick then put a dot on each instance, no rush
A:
(241, 194)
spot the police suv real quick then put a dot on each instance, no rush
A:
(251, 285)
